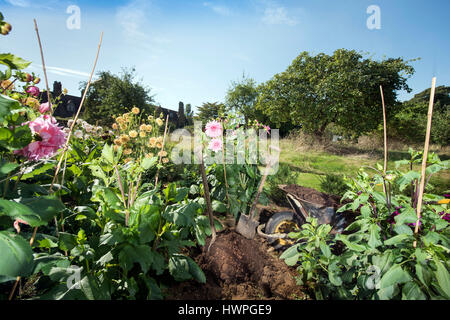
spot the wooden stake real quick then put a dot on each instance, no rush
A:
(425, 157)
(385, 131)
(43, 66)
(76, 115)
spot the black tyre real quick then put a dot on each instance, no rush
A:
(281, 222)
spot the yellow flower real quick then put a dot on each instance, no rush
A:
(114, 126)
(133, 133)
(127, 160)
(127, 151)
(7, 84)
(159, 139)
(159, 145)
(123, 126)
(149, 155)
(135, 110)
(444, 201)
(119, 119)
(165, 160)
(65, 91)
(159, 122)
(124, 138)
(116, 148)
(117, 142)
(152, 142)
(150, 118)
(162, 153)
(142, 134)
(148, 127)
(142, 127)
(32, 103)
(126, 116)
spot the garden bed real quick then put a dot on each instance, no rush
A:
(240, 268)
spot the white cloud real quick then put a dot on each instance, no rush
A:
(278, 15)
(19, 3)
(221, 10)
(62, 71)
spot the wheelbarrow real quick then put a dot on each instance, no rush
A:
(281, 223)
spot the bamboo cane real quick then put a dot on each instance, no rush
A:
(425, 156)
(43, 66)
(385, 131)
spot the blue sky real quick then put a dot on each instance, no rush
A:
(191, 50)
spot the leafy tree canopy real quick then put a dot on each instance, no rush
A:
(342, 88)
(113, 95)
(210, 110)
(242, 96)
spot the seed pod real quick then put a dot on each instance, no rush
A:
(5, 29)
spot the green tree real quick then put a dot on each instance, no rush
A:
(343, 89)
(242, 96)
(115, 94)
(181, 115)
(410, 123)
(210, 110)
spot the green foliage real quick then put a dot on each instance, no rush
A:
(241, 97)
(375, 258)
(284, 175)
(414, 112)
(115, 94)
(333, 184)
(209, 110)
(343, 89)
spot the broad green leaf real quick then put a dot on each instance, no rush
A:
(396, 239)
(148, 163)
(141, 254)
(218, 206)
(13, 62)
(395, 275)
(183, 268)
(411, 291)
(45, 206)
(20, 211)
(16, 255)
(443, 277)
(374, 236)
(406, 179)
(108, 153)
(291, 255)
(7, 167)
(325, 249)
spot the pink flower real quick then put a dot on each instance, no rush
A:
(33, 90)
(44, 107)
(215, 145)
(51, 138)
(213, 129)
(17, 226)
(267, 128)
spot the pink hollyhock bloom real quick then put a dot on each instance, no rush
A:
(44, 107)
(17, 226)
(213, 129)
(267, 128)
(33, 90)
(215, 145)
(51, 138)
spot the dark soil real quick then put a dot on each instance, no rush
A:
(312, 195)
(244, 269)
(239, 268)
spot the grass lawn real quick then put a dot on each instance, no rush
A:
(311, 165)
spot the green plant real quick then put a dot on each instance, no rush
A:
(284, 175)
(378, 259)
(333, 184)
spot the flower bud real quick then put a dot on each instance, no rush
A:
(36, 80)
(32, 90)
(5, 29)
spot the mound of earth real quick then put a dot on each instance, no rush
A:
(240, 268)
(312, 195)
